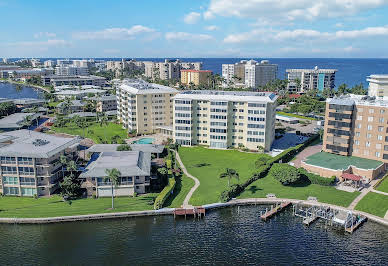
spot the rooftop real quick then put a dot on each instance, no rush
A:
(153, 148)
(339, 162)
(227, 95)
(15, 120)
(28, 101)
(129, 163)
(353, 99)
(27, 143)
(313, 70)
(104, 98)
(136, 86)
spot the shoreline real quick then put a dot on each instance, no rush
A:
(170, 211)
(26, 84)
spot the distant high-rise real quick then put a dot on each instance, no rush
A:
(303, 80)
(378, 85)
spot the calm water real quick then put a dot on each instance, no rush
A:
(223, 237)
(7, 90)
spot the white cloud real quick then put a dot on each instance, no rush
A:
(42, 44)
(185, 36)
(192, 18)
(44, 34)
(266, 35)
(115, 33)
(287, 10)
(211, 28)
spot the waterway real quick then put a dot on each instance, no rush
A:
(8, 90)
(227, 236)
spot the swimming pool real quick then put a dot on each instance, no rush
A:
(144, 141)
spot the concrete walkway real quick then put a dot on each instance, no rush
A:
(362, 195)
(186, 204)
(380, 192)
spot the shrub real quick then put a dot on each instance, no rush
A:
(285, 173)
(166, 192)
(124, 147)
(262, 159)
(317, 179)
(169, 164)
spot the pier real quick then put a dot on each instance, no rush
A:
(274, 210)
(195, 212)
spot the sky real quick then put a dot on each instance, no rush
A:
(196, 28)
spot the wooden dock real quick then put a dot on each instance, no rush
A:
(195, 212)
(309, 220)
(354, 227)
(269, 213)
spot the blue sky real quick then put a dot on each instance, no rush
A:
(196, 28)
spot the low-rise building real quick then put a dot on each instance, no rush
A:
(72, 70)
(105, 103)
(30, 162)
(224, 119)
(378, 85)
(28, 102)
(17, 121)
(77, 94)
(54, 80)
(73, 106)
(135, 169)
(196, 77)
(144, 106)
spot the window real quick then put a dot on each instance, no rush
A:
(370, 118)
(381, 119)
(370, 127)
(379, 137)
(367, 144)
(382, 111)
(371, 111)
(11, 191)
(358, 125)
(8, 180)
(357, 134)
(380, 129)
(368, 136)
(357, 142)
(377, 154)
(359, 117)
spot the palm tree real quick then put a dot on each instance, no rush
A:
(71, 166)
(35, 110)
(63, 160)
(230, 173)
(113, 175)
(104, 121)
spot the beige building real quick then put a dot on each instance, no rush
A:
(30, 162)
(143, 106)
(224, 119)
(105, 103)
(196, 77)
(303, 80)
(168, 69)
(378, 85)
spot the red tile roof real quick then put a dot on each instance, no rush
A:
(351, 177)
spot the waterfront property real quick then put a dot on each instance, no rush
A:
(378, 85)
(196, 77)
(304, 80)
(135, 169)
(77, 94)
(17, 121)
(30, 162)
(54, 80)
(225, 119)
(29, 102)
(73, 106)
(105, 103)
(143, 106)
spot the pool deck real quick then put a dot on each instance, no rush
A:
(158, 138)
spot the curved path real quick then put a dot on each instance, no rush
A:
(196, 185)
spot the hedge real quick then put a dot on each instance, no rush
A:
(285, 157)
(166, 192)
(317, 179)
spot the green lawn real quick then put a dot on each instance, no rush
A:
(94, 131)
(374, 203)
(208, 164)
(295, 115)
(326, 194)
(24, 207)
(383, 186)
(182, 187)
(53, 104)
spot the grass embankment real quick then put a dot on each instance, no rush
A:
(374, 203)
(182, 187)
(94, 131)
(208, 164)
(326, 194)
(383, 186)
(24, 207)
(296, 116)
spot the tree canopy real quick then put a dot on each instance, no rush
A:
(285, 173)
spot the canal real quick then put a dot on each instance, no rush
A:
(9, 90)
(225, 236)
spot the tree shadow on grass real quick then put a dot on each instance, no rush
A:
(254, 189)
(302, 182)
(202, 164)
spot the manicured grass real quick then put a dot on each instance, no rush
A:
(182, 187)
(94, 131)
(208, 164)
(24, 207)
(53, 104)
(295, 115)
(374, 203)
(326, 194)
(383, 186)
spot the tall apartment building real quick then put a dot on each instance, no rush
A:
(223, 119)
(196, 77)
(30, 162)
(71, 70)
(310, 79)
(48, 63)
(143, 106)
(73, 62)
(357, 125)
(259, 74)
(234, 74)
(378, 85)
(168, 69)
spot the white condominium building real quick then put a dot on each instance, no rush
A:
(378, 85)
(144, 106)
(223, 119)
(302, 80)
(168, 69)
(259, 74)
(234, 74)
(71, 70)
